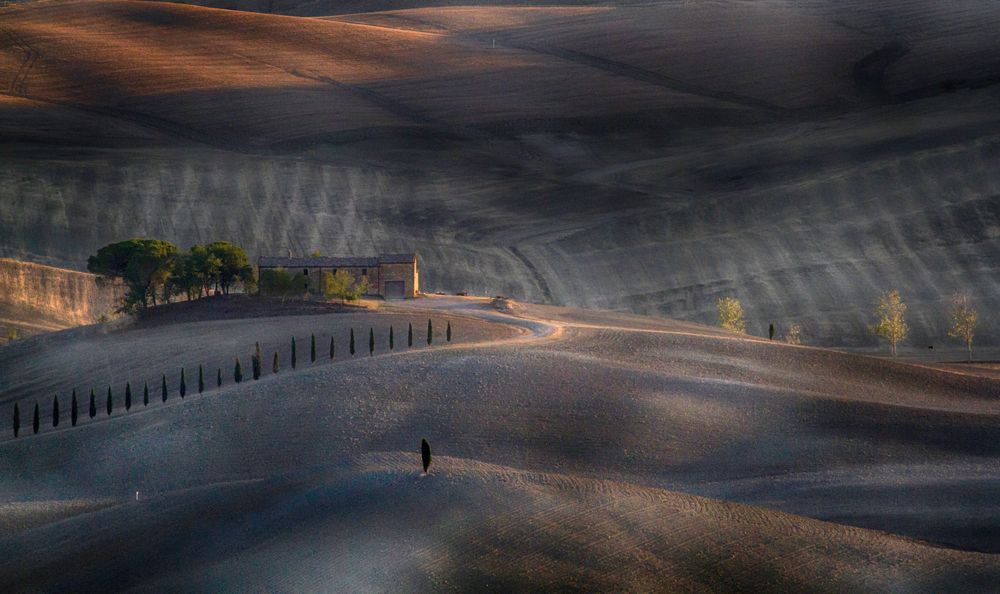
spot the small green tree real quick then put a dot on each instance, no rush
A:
(293, 353)
(274, 363)
(218, 377)
(447, 332)
(333, 348)
(430, 331)
(256, 363)
(17, 419)
(731, 315)
(183, 384)
(371, 342)
(891, 319)
(963, 321)
(238, 372)
(163, 387)
(128, 396)
(93, 404)
(35, 422)
(770, 331)
(201, 379)
(74, 410)
(352, 342)
(145, 393)
(312, 348)
(55, 411)
(425, 454)
(409, 336)
(391, 341)
(110, 404)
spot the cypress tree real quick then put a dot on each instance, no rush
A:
(447, 332)
(352, 342)
(371, 342)
(274, 364)
(184, 387)
(218, 378)
(17, 419)
(430, 331)
(333, 349)
(201, 379)
(409, 335)
(110, 404)
(163, 387)
(312, 348)
(93, 404)
(238, 371)
(293, 353)
(145, 393)
(128, 396)
(55, 411)
(34, 421)
(425, 454)
(770, 331)
(257, 363)
(74, 411)
(391, 340)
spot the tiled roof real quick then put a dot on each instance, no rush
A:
(334, 262)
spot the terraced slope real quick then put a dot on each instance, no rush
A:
(627, 157)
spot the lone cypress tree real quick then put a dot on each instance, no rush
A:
(371, 342)
(93, 404)
(447, 332)
(184, 387)
(74, 410)
(34, 421)
(163, 387)
(17, 419)
(201, 379)
(218, 378)
(770, 331)
(333, 349)
(425, 454)
(352, 342)
(257, 363)
(145, 393)
(312, 348)
(409, 335)
(238, 371)
(274, 364)
(55, 411)
(430, 331)
(110, 404)
(293, 353)
(128, 396)
(391, 339)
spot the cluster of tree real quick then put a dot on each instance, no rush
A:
(256, 371)
(890, 320)
(154, 269)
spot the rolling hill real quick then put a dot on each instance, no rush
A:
(624, 156)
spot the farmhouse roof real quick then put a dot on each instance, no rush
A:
(334, 261)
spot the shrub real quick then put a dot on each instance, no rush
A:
(184, 387)
(391, 340)
(371, 342)
(274, 363)
(409, 336)
(447, 332)
(731, 315)
(93, 404)
(425, 454)
(312, 348)
(201, 379)
(145, 393)
(430, 332)
(110, 405)
(238, 371)
(293, 353)
(35, 422)
(55, 411)
(352, 342)
(163, 387)
(128, 396)
(74, 410)
(17, 419)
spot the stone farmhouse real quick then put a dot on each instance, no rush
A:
(392, 276)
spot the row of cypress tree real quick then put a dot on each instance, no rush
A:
(256, 371)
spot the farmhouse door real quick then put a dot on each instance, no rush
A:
(395, 289)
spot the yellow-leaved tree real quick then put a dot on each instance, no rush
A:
(731, 314)
(963, 320)
(891, 319)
